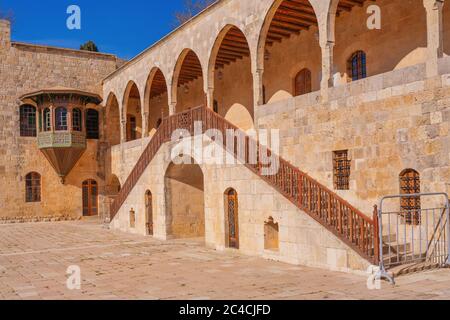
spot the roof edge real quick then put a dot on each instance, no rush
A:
(81, 52)
(138, 57)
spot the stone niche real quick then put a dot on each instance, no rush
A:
(271, 235)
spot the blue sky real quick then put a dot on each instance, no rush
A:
(121, 27)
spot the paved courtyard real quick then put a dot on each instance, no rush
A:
(34, 259)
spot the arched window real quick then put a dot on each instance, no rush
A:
(61, 119)
(92, 124)
(27, 121)
(232, 218)
(357, 66)
(303, 82)
(33, 187)
(410, 206)
(47, 120)
(77, 120)
(90, 198)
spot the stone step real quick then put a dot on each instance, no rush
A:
(410, 268)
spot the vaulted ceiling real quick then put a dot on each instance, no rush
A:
(295, 16)
(190, 70)
(158, 85)
(234, 46)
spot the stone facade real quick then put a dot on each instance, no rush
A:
(389, 123)
(25, 68)
(396, 118)
(301, 239)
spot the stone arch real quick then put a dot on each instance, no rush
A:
(188, 73)
(113, 118)
(285, 41)
(156, 99)
(114, 185)
(185, 203)
(230, 78)
(132, 110)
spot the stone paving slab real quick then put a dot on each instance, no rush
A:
(34, 259)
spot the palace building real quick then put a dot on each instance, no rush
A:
(362, 113)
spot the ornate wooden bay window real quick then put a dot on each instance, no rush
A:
(62, 134)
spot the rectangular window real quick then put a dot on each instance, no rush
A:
(341, 170)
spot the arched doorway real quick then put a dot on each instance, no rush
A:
(149, 212)
(187, 85)
(185, 204)
(231, 219)
(231, 77)
(90, 198)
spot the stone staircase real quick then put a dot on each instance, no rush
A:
(346, 222)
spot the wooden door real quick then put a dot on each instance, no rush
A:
(233, 219)
(303, 82)
(90, 198)
(149, 212)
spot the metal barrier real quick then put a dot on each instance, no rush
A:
(413, 236)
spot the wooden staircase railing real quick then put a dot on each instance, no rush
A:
(348, 223)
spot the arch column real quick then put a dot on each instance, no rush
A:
(435, 35)
(171, 99)
(123, 130)
(258, 97)
(210, 98)
(145, 124)
(327, 25)
(327, 68)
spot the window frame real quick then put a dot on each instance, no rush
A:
(28, 121)
(341, 170)
(33, 183)
(92, 125)
(357, 66)
(61, 119)
(77, 120)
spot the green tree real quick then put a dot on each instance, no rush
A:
(89, 46)
(190, 9)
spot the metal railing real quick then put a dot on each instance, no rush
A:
(415, 236)
(337, 215)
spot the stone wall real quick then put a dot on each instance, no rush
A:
(23, 69)
(301, 239)
(389, 122)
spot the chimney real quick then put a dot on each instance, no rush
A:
(5, 34)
